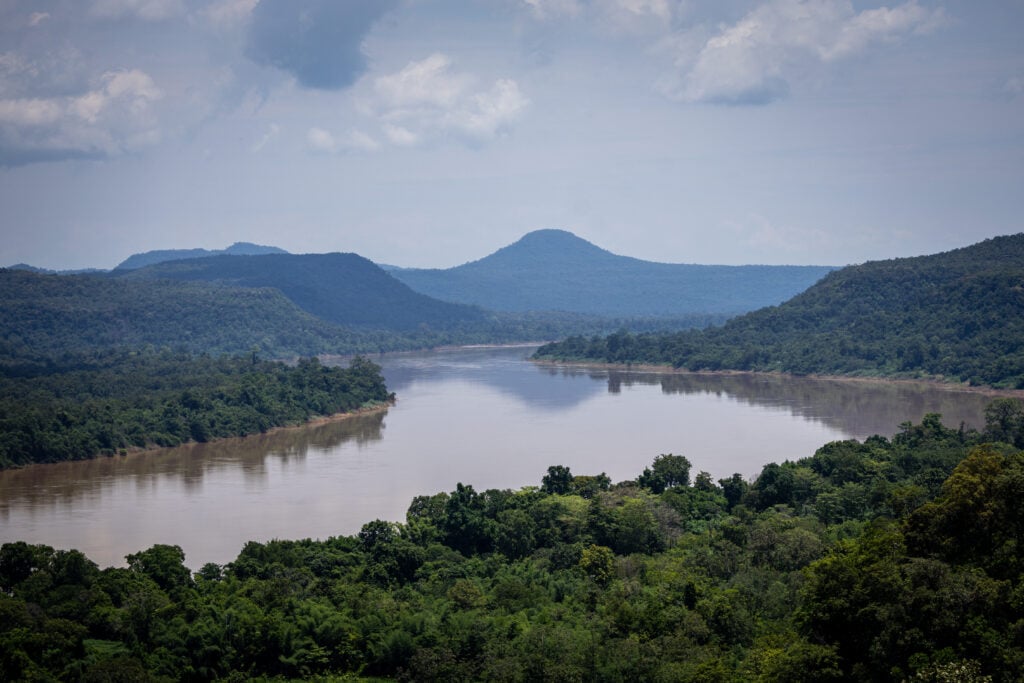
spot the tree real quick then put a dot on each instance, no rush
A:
(557, 480)
(165, 564)
(1004, 421)
(666, 471)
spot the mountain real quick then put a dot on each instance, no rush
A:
(556, 270)
(344, 289)
(957, 315)
(47, 316)
(149, 258)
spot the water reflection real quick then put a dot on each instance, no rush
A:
(70, 483)
(504, 370)
(858, 408)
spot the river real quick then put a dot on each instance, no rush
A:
(485, 417)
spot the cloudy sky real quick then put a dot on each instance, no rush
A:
(432, 132)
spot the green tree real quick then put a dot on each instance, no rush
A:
(557, 480)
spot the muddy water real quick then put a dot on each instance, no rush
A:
(485, 417)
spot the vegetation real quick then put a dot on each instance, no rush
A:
(555, 270)
(957, 315)
(82, 406)
(45, 316)
(889, 560)
(344, 289)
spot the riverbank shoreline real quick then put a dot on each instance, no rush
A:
(378, 407)
(652, 369)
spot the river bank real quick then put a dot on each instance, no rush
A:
(645, 368)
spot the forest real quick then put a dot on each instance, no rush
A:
(46, 315)
(891, 559)
(956, 316)
(81, 406)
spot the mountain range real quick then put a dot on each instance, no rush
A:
(957, 315)
(556, 270)
(344, 289)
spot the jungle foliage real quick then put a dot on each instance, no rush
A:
(957, 316)
(81, 406)
(884, 560)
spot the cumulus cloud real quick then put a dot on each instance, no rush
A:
(319, 42)
(752, 61)
(429, 98)
(112, 117)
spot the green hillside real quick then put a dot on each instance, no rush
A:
(555, 270)
(344, 289)
(957, 315)
(43, 316)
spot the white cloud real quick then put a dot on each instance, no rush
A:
(545, 9)
(403, 137)
(228, 13)
(111, 118)
(29, 112)
(488, 112)
(753, 60)
(425, 84)
(428, 98)
(320, 140)
(37, 18)
(148, 10)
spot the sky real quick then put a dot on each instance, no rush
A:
(428, 133)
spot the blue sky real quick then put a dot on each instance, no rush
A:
(432, 132)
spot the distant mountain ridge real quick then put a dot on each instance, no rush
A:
(149, 258)
(344, 289)
(556, 270)
(958, 315)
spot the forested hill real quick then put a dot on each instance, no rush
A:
(556, 270)
(148, 258)
(958, 315)
(47, 316)
(345, 289)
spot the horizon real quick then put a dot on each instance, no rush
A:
(386, 264)
(427, 135)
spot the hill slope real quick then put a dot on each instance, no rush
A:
(556, 270)
(957, 315)
(148, 258)
(47, 316)
(345, 289)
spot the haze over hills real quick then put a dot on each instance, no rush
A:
(344, 289)
(556, 270)
(148, 258)
(957, 315)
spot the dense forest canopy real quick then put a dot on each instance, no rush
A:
(883, 560)
(958, 315)
(556, 270)
(83, 406)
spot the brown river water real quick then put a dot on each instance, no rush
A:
(485, 417)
